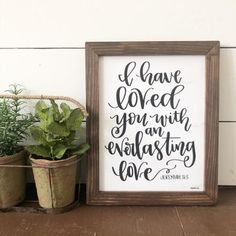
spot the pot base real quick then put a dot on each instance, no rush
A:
(31, 205)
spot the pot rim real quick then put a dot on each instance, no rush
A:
(53, 163)
(12, 158)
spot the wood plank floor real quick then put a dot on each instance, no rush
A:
(129, 220)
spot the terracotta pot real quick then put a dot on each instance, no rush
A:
(55, 181)
(12, 180)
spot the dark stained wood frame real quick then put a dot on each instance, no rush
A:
(211, 51)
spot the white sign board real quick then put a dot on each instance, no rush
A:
(152, 113)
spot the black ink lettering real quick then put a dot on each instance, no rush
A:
(127, 73)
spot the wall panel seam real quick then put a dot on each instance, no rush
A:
(69, 48)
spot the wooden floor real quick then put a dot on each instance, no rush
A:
(127, 221)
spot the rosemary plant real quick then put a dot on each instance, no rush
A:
(14, 123)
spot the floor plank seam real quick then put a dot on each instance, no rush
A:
(180, 221)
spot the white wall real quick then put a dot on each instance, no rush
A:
(48, 24)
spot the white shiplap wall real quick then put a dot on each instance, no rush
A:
(69, 23)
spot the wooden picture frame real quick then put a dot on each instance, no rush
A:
(200, 59)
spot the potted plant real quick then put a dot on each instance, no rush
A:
(13, 130)
(56, 152)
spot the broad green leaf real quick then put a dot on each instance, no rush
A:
(81, 149)
(41, 105)
(38, 135)
(75, 120)
(56, 112)
(43, 125)
(72, 147)
(58, 129)
(50, 115)
(59, 150)
(66, 111)
(39, 150)
(47, 119)
(71, 137)
(51, 139)
(41, 109)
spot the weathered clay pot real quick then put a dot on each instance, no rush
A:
(55, 181)
(12, 180)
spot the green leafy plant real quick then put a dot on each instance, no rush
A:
(14, 123)
(56, 131)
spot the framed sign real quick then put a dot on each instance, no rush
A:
(153, 122)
